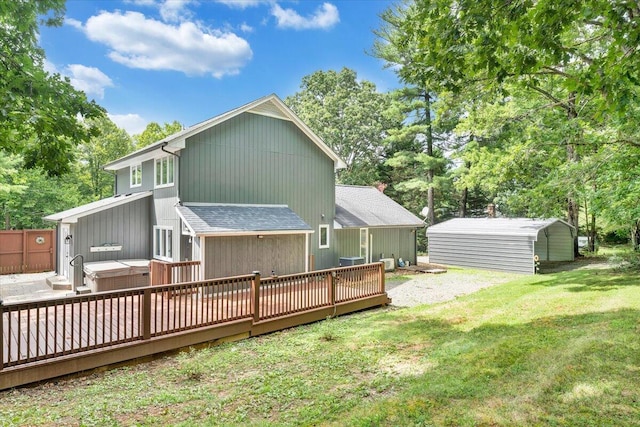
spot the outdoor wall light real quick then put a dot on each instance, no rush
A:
(260, 236)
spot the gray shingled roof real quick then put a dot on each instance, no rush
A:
(223, 218)
(493, 226)
(367, 207)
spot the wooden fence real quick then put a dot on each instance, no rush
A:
(45, 339)
(27, 251)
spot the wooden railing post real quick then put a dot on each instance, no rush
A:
(2, 336)
(255, 296)
(331, 287)
(382, 276)
(146, 314)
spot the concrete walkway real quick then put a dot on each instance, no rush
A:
(28, 287)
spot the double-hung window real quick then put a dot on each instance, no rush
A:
(164, 171)
(323, 236)
(135, 175)
(163, 242)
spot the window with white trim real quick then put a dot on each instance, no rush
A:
(135, 175)
(163, 242)
(323, 236)
(164, 171)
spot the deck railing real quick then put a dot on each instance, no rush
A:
(163, 273)
(43, 330)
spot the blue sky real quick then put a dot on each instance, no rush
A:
(189, 60)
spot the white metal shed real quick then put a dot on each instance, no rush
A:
(505, 244)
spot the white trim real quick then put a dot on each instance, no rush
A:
(203, 263)
(131, 168)
(162, 177)
(253, 233)
(327, 245)
(200, 204)
(176, 141)
(306, 253)
(161, 252)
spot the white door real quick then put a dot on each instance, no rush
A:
(364, 244)
(65, 247)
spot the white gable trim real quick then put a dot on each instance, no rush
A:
(176, 141)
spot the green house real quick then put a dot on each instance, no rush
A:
(251, 189)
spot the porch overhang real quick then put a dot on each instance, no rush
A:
(213, 219)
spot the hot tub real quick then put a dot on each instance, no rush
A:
(114, 275)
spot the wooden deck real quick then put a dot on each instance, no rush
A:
(38, 335)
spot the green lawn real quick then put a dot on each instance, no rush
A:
(561, 349)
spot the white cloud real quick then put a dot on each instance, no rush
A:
(138, 42)
(326, 16)
(242, 4)
(134, 124)
(73, 22)
(175, 10)
(245, 28)
(90, 80)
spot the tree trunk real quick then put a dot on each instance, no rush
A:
(635, 235)
(462, 212)
(430, 171)
(573, 210)
(592, 234)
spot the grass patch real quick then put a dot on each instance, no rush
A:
(555, 349)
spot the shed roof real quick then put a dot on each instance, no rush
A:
(72, 215)
(494, 226)
(270, 105)
(232, 219)
(358, 206)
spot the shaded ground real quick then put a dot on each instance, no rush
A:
(23, 287)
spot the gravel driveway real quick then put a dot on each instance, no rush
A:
(426, 288)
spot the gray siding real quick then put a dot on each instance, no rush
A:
(390, 242)
(502, 253)
(556, 244)
(256, 159)
(164, 214)
(128, 225)
(232, 256)
(123, 180)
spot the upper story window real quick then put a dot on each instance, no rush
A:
(324, 236)
(164, 171)
(135, 175)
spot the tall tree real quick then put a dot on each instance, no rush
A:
(154, 132)
(395, 47)
(109, 143)
(579, 56)
(350, 116)
(38, 111)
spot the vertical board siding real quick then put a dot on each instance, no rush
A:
(233, 256)
(502, 253)
(393, 242)
(255, 159)
(390, 242)
(123, 181)
(126, 224)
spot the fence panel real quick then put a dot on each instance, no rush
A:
(27, 251)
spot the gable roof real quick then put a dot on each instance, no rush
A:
(358, 206)
(72, 215)
(270, 105)
(494, 226)
(231, 219)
